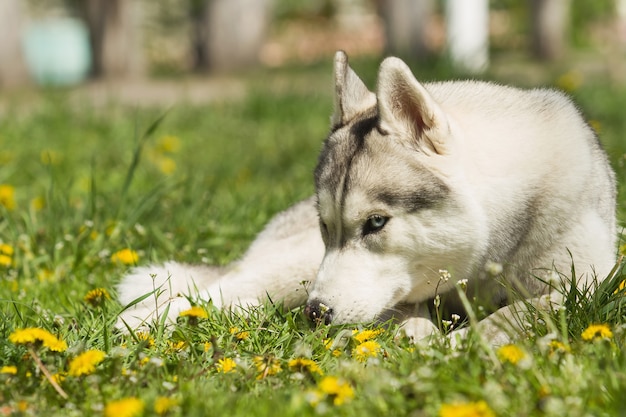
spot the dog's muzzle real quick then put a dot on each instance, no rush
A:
(318, 312)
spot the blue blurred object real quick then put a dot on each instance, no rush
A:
(57, 51)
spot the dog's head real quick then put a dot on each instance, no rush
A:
(386, 180)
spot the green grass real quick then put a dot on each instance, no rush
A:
(89, 182)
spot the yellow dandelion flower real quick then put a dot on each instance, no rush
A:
(7, 196)
(10, 370)
(166, 165)
(543, 391)
(196, 312)
(207, 346)
(126, 407)
(337, 389)
(621, 287)
(6, 261)
(125, 256)
(86, 362)
(511, 353)
(570, 81)
(45, 275)
(38, 203)
(34, 335)
(597, 331)
(471, 409)
(97, 297)
(22, 406)
(365, 350)
(240, 335)
(266, 366)
(305, 365)
(163, 405)
(556, 346)
(328, 343)
(226, 365)
(176, 346)
(6, 255)
(6, 249)
(365, 335)
(145, 337)
(59, 377)
(168, 144)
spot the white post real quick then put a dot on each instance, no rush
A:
(12, 66)
(467, 29)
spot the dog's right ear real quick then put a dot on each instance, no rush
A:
(351, 95)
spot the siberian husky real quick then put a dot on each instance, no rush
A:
(419, 186)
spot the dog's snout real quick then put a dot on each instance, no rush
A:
(318, 312)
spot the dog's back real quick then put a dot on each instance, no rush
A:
(539, 171)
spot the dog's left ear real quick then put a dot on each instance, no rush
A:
(403, 101)
(351, 95)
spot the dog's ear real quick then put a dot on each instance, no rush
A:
(403, 101)
(351, 95)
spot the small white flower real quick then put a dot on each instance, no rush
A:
(493, 268)
(444, 275)
(119, 352)
(437, 301)
(58, 320)
(156, 361)
(462, 284)
(455, 318)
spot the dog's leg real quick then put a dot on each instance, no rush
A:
(163, 288)
(420, 325)
(510, 322)
(278, 265)
(277, 270)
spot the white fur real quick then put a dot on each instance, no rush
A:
(515, 163)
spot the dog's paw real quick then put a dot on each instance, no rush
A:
(418, 329)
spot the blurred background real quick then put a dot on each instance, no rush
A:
(71, 42)
(247, 85)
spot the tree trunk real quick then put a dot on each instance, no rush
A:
(406, 26)
(114, 27)
(228, 34)
(550, 21)
(12, 65)
(467, 28)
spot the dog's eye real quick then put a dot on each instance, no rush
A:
(374, 224)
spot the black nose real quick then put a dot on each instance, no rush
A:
(318, 312)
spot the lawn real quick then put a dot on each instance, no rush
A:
(86, 191)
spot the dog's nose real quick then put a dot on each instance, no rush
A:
(318, 312)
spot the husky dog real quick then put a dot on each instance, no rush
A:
(415, 181)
